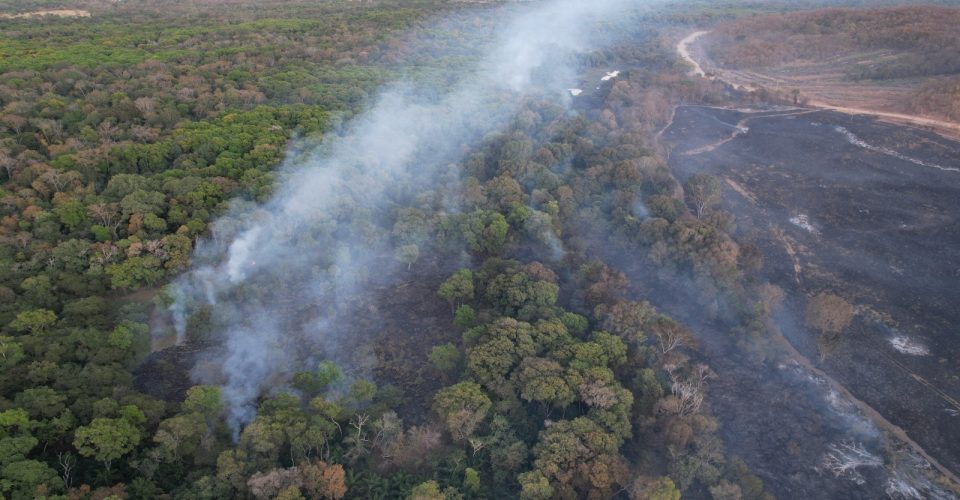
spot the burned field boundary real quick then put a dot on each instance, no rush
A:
(869, 211)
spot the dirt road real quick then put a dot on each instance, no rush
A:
(950, 128)
(684, 49)
(41, 13)
(944, 127)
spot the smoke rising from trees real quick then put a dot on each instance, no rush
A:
(314, 245)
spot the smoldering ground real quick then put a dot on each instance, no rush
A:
(277, 284)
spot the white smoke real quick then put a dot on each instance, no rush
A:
(307, 252)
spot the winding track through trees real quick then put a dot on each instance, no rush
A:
(683, 49)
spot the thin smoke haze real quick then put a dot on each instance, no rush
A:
(312, 243)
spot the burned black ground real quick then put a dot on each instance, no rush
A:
(874, 219)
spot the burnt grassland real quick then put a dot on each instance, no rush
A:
(867, 210)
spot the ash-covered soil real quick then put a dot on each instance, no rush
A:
(777, 416)
(869, 211)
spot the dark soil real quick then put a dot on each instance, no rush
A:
(165, 374)
(413, 324)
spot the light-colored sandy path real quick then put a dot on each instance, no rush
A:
(54, 12)
(893, 117)
(948, 128)
(684, 49)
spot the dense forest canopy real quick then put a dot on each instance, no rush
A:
(447, 316)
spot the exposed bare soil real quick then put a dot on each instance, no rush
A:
(43, 13)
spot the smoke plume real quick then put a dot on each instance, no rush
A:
(324, 237)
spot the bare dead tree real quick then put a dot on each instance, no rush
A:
(477, 444)
(66, 462)
(704, 191)
(358, 424)
(145, 105)
(107, 215)
(687, 391)
(388, 435)
(59, 181)
(669, 337)
(82, 87)
(106, 253)
(843, 459)
(155, 247)
(360, 444)
(52, 130)
(668, 341)
(106, 131)
(14, 123)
